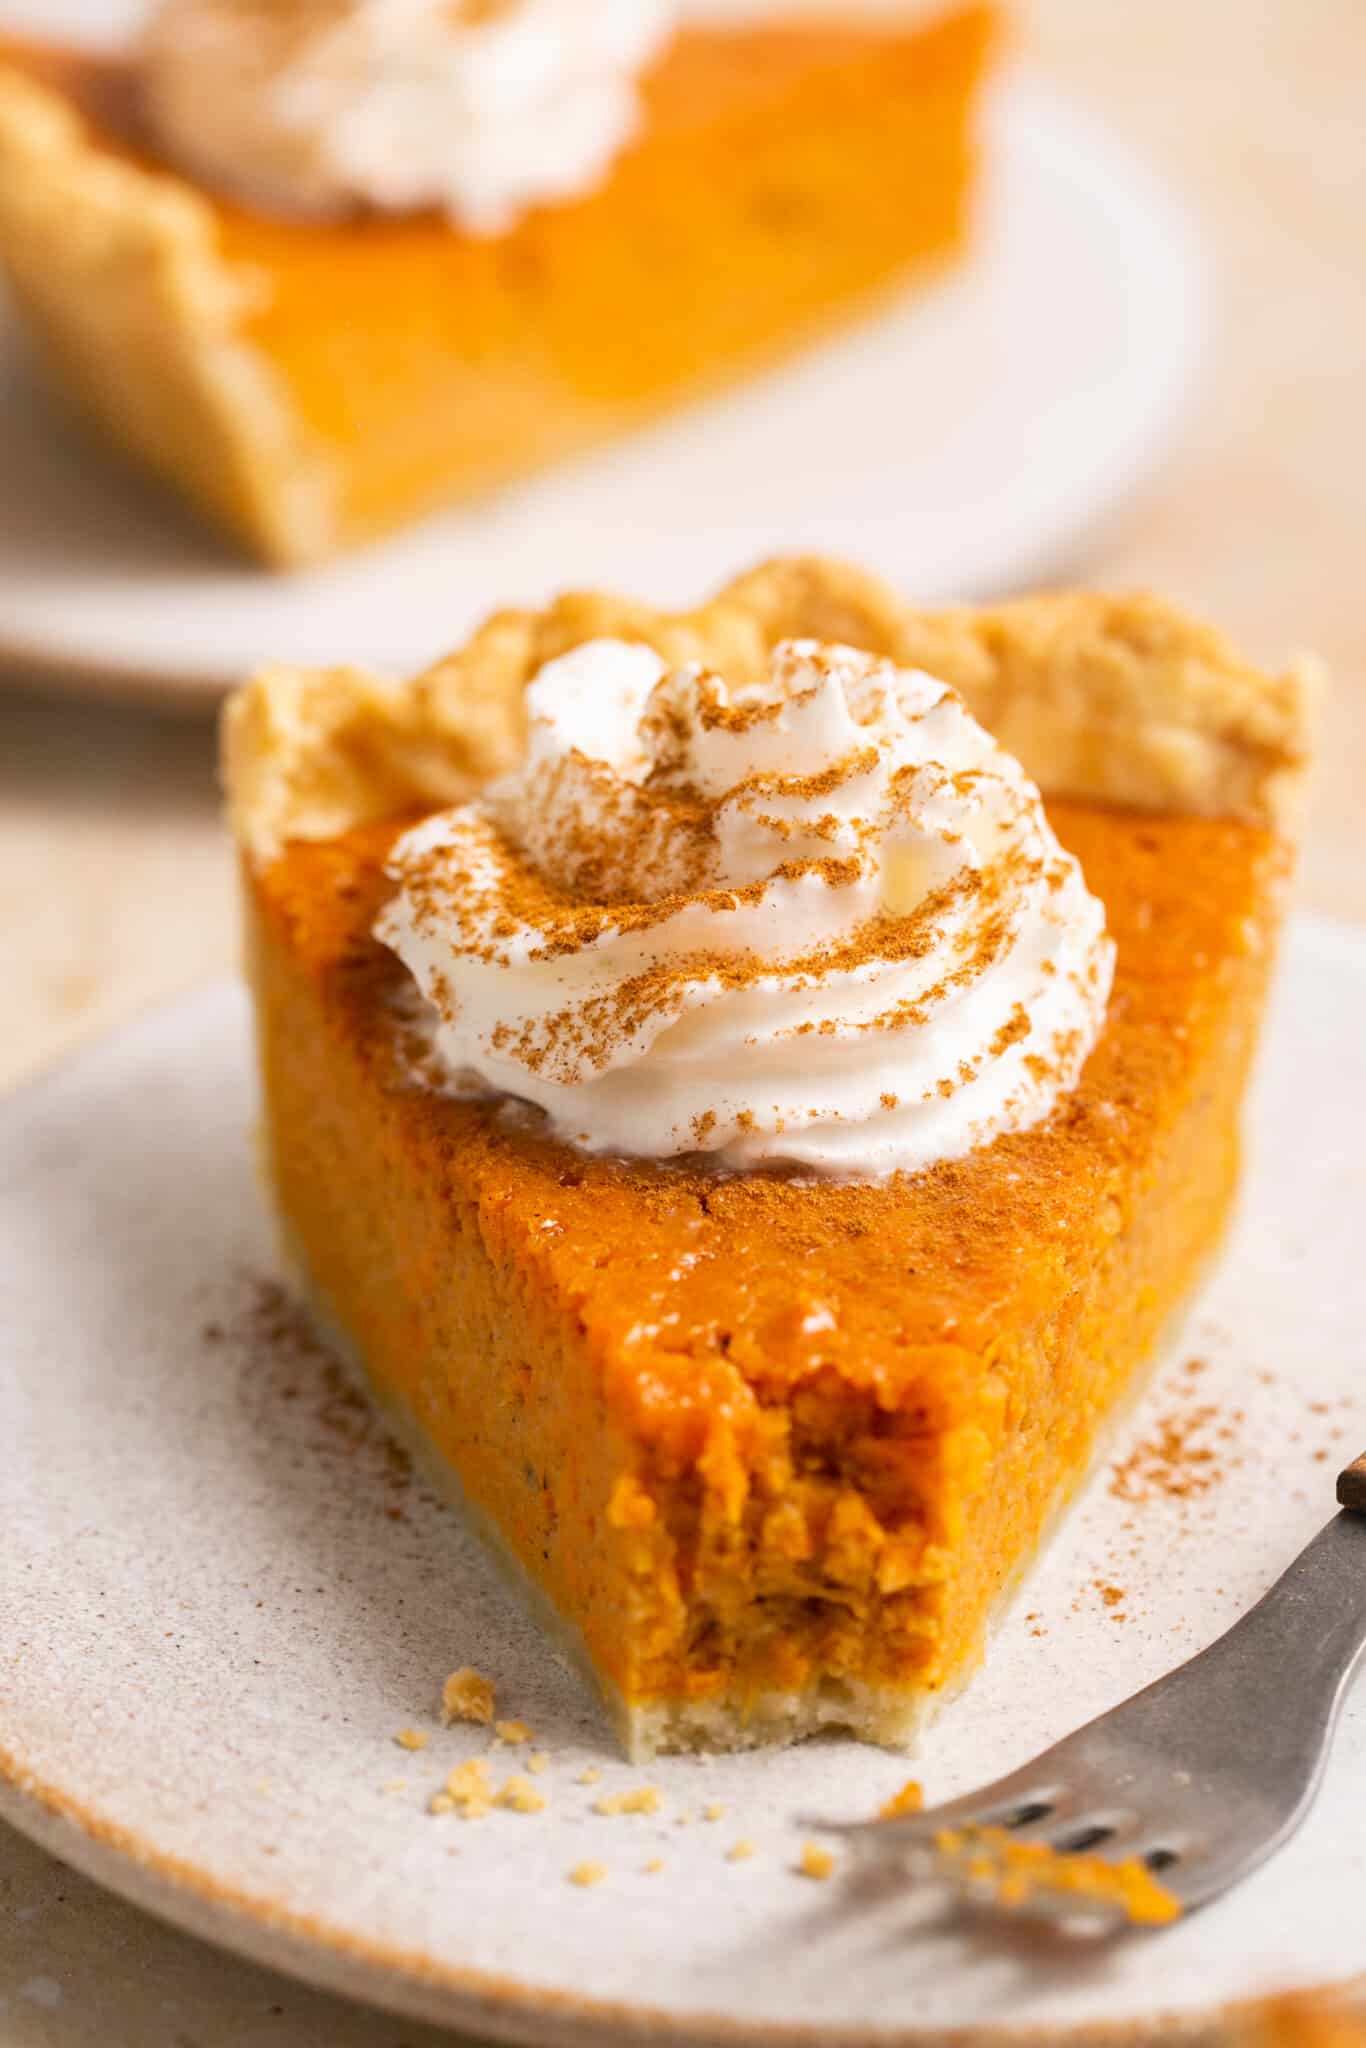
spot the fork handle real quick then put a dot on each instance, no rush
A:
(1352, 1486)
(1270, 1688)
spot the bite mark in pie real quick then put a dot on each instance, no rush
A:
(772, 1450)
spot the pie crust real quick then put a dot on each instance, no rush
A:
(307, 385)
(1121, 700)
(770, 1454)
(144, 322)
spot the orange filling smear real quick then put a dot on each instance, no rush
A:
(1019, 1873)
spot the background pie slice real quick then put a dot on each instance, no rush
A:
(771, 1453)
(308, 385)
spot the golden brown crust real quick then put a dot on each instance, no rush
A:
(1127, 700)
(199, 335)
(141, 324)
(1121, 700)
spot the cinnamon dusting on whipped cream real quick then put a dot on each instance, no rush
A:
(820, 921)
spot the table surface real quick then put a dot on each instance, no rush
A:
(116, 886)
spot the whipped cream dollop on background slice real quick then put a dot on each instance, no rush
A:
(819, 920)
(483, 108)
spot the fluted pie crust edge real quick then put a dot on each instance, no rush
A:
(198, 337)
(1121, 700)
(750, 1531)
(141, 320)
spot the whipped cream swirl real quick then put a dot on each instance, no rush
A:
(819, 920)
(483, 108)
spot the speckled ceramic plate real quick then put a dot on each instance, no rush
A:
(964, 442)
(223, 1594)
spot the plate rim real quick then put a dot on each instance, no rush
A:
(266, 1931)
(308, 1948)
(1023, 103)
(40, 672)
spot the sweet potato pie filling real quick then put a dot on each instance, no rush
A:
(784, 175)
(770, 1449)
(763, 1440)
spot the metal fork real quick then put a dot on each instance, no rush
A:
(1198, 1778)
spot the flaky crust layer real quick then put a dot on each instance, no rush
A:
(1114, 699)
(142, 324)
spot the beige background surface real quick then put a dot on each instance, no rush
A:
(115, 886)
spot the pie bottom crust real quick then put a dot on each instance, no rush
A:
(307, 386)
(879, 1714)
(776, 1451)
(883, 1715)
(423, 1225)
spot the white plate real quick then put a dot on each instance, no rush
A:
(222, 1599)
(964, 443)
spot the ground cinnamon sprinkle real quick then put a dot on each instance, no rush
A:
(579, 854)
(1185, 1455)
(1011, 1032)
(285, 1361)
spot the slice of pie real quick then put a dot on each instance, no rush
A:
(307, 383)
(771, 1444)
